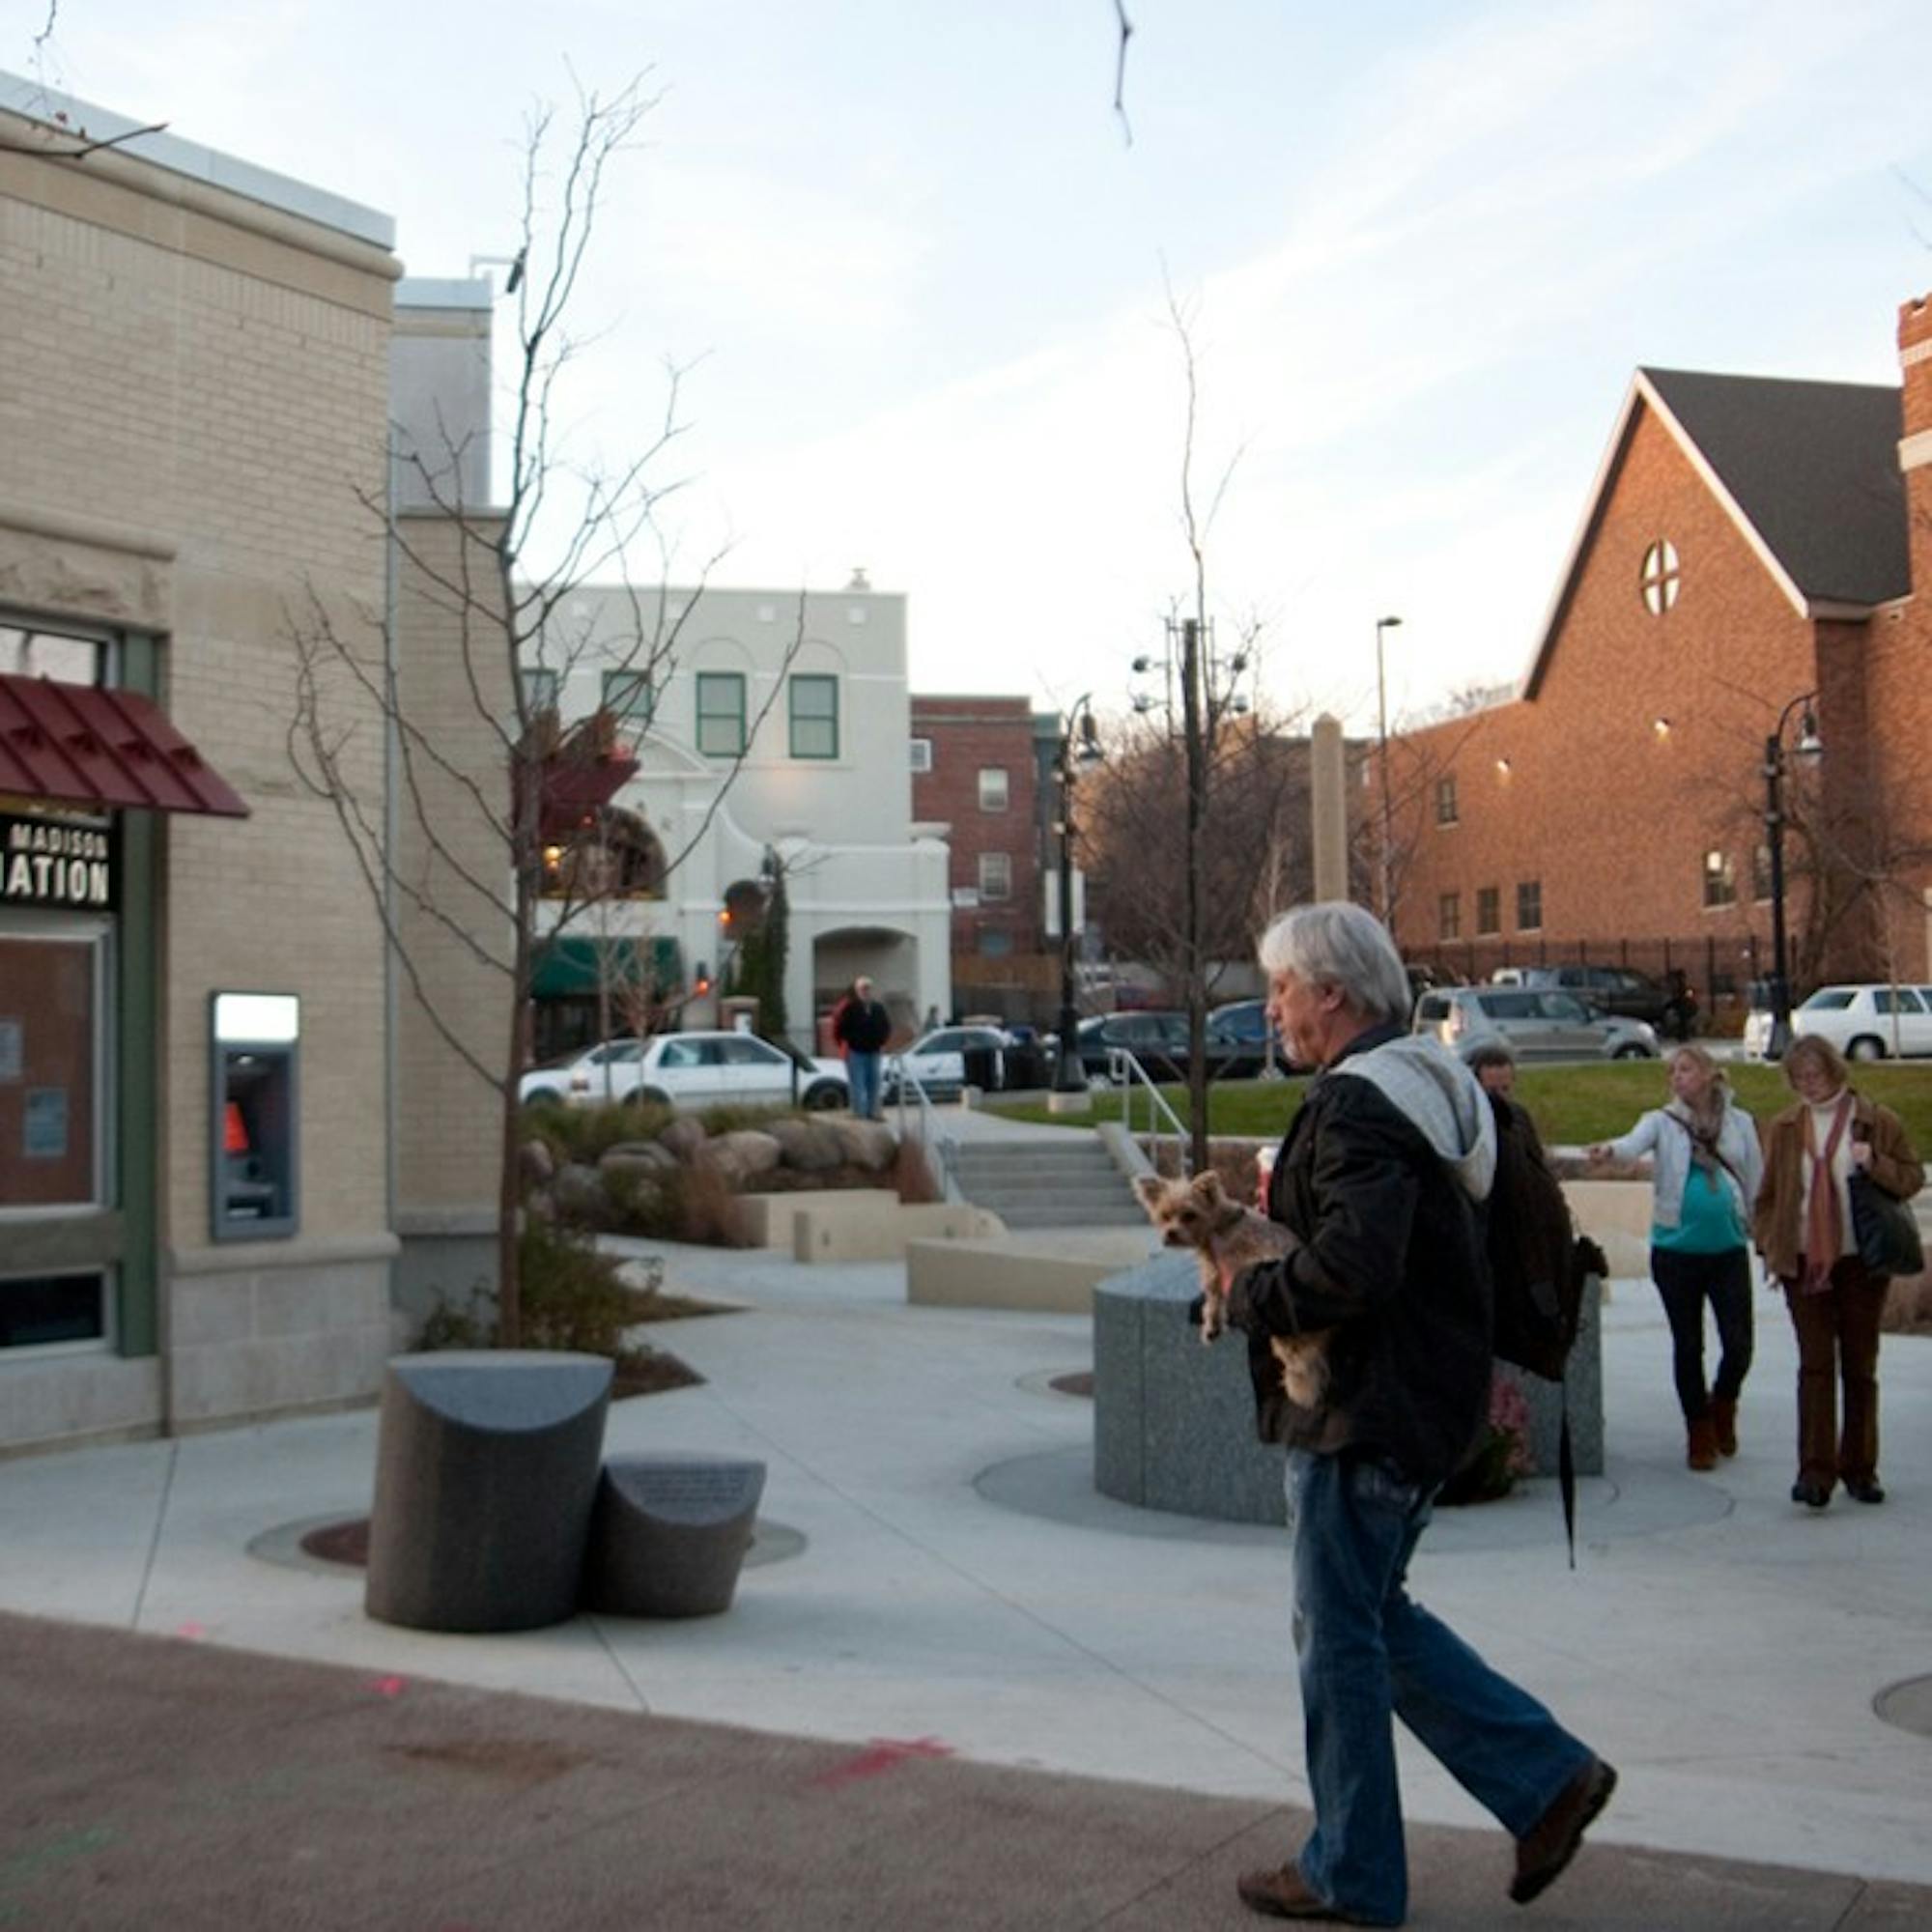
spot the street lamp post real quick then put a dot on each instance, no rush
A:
(1382, 755)
(1068, 1077)
(1808, 746)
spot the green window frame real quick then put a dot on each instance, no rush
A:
(721, 713)
(814, 704)
(541, 688)
(627, 695)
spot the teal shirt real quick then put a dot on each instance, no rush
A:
(1708, 1223)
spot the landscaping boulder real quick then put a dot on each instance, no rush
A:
(684, 1136)
(739, 1156)
(637, 1161)
(868, 1144)
(577, 1194)
(536, 1163)
(811, 1147)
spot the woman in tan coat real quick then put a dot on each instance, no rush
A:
(1802, 1227)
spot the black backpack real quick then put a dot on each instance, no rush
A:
(1539, 1264)
(1540, 1270)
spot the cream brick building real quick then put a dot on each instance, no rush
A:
(195, 1213)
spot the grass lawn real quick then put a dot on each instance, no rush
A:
(1573, 1106)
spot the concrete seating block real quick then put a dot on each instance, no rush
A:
(486, 1470)
(1583, 1384)
(668, 1534)
(835, 1231)
(1048, 1271)
(767, 1220)
(1174, 1419)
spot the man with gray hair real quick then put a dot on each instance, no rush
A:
(1382, 1176)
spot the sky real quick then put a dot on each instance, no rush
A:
(921, 278)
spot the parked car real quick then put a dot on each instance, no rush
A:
(1244, 1042)
(1869, 1021)
(705, 1070)
(1533, 1022)
(1610, 989)
(1156, 1039)
(951, 1059)
(556, 1079)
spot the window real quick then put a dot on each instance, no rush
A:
(540, 689)
(721, 713)
(994, 943)
(1446, 800)
(1661, 577)
(1528, 905)
(1761, 873)
(1488, 909)
(1904, 1001)
(992, 788)
(1721, 879)
(922, 754)
(33, 653)
(1449, 915)
(996, 875)
(814, 717)
(627, 694)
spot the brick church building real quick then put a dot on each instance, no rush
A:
(1745, 564)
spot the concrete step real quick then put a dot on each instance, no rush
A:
(1061, 1183)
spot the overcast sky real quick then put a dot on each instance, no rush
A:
(922, 275)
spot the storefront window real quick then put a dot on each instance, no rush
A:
(50, 1067)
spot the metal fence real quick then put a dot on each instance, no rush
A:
(1718, 969)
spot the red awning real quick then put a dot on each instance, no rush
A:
(82, 744)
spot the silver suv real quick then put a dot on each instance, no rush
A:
(1533, 1023)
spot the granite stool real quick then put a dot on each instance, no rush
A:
(670, 1532)
(486, 1471)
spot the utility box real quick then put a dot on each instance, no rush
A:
(254, 1151)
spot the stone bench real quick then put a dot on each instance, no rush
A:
(486, 1470)
(668, 1534)
(1046, 1271)
(835, 1231)
(771, 1220)
(1174, 1419)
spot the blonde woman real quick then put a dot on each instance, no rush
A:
(1706, 1167)
(1804, 1229)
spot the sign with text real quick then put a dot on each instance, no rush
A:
(62, 864)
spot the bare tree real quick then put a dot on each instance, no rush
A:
(491, 831)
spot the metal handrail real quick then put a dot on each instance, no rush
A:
(1126, 1072)
(930, 1138)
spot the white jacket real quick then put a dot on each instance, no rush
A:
(1665, 1135)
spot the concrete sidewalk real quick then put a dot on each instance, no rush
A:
(157, 1783)
(935, 1570)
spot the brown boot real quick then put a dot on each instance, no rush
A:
(1702, 1450)
(1724, 1426)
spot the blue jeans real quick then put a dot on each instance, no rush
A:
(862, 1071)
(1366, 1651)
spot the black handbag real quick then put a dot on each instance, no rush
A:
(1884, 1227)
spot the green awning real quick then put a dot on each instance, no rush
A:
(573, 968)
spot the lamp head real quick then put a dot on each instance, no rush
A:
(1809, 745)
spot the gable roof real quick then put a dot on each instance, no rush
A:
(1807, 471)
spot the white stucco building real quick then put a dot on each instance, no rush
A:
(771, 729)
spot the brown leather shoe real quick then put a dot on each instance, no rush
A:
(1724, 1426)
(1701, 1445)
(1543, 1852)
(1284, 1894)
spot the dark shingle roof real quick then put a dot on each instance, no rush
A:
(1814, 469)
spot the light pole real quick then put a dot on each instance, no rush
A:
(1382, 755)
(1068, 1077)
(1808, 746)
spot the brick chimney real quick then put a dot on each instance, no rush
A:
(1915, 450)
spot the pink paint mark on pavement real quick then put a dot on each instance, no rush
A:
(191, 1631)
(390, 1687)
(882, 1754)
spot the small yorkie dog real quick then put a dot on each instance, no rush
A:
(1200, 1214)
